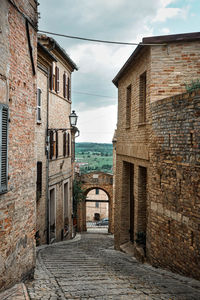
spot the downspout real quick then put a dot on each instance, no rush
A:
(47, 163)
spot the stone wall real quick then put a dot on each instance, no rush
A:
(174, 191)
(157, 161)
(18, 91)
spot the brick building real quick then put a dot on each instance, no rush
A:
(55, 137)
(157, 154)
(18, 55)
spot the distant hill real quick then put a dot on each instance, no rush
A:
(94, 157)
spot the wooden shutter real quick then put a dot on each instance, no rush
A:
(68, 89)
(39, 179)
(57, 80)
(68, 144)
(64, 144)
(64, 85)
(51, 78)
(51, 145)
(56, 144)
(3, 148)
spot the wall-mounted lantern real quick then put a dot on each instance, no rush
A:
(73, 118)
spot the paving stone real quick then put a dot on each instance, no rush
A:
(90, 269)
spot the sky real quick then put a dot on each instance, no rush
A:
(94, 96)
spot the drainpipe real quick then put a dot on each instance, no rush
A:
(47, 164)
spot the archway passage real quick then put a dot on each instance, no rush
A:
(97, 211)
(96, 181)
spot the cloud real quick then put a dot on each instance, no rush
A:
(165, 30)
(116, 20)
(97, 125)
(165, 13)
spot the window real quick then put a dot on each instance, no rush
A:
(3, 148)
(97, 204)
(39, 180)
(128, 106)
(64, 85)
(57, 79)
(68, 89)
(64, 144)
(68, 144)
(39, 92)
(51, 79)
(142, 98)
(56, 144)
(52, 144)
(97, 191)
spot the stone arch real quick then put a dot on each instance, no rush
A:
(96, 180)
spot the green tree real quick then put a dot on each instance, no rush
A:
(78, 195)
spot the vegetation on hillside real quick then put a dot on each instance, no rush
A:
(94, 157)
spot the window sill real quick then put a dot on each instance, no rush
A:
(142, 124)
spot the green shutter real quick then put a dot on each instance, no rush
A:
(3, 148)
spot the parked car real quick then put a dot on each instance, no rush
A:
(103, 222)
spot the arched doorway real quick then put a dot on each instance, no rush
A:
(97, 211)
(93, 181)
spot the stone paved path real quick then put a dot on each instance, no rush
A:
(91, 269)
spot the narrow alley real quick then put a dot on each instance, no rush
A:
(88, 267)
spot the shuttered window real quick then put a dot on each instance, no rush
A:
(56, 144)
(39, 180)
(39, 103)
(51, 144)
(128, 106)
(68, 89)
(68, 144)
(65, 86)
(51, 78)
(57, 80)
(64, 144)
(142, 101)
(3, 148)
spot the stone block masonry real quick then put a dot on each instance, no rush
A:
(18, 92)
(174, 191)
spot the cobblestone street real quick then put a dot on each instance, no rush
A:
(90, 268)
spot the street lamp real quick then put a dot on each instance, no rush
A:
(73, 118)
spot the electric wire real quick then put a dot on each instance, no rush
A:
(99, 41)
(90, 94)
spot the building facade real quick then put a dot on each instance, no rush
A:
(18, 56)
(157, 154)
(95, 210)
(55, 143)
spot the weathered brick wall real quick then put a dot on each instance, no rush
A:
(18, 91)
(131, 148)
(172, 67)
(170, 159)
(174, 227)
(60, 169)
(41, 220)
